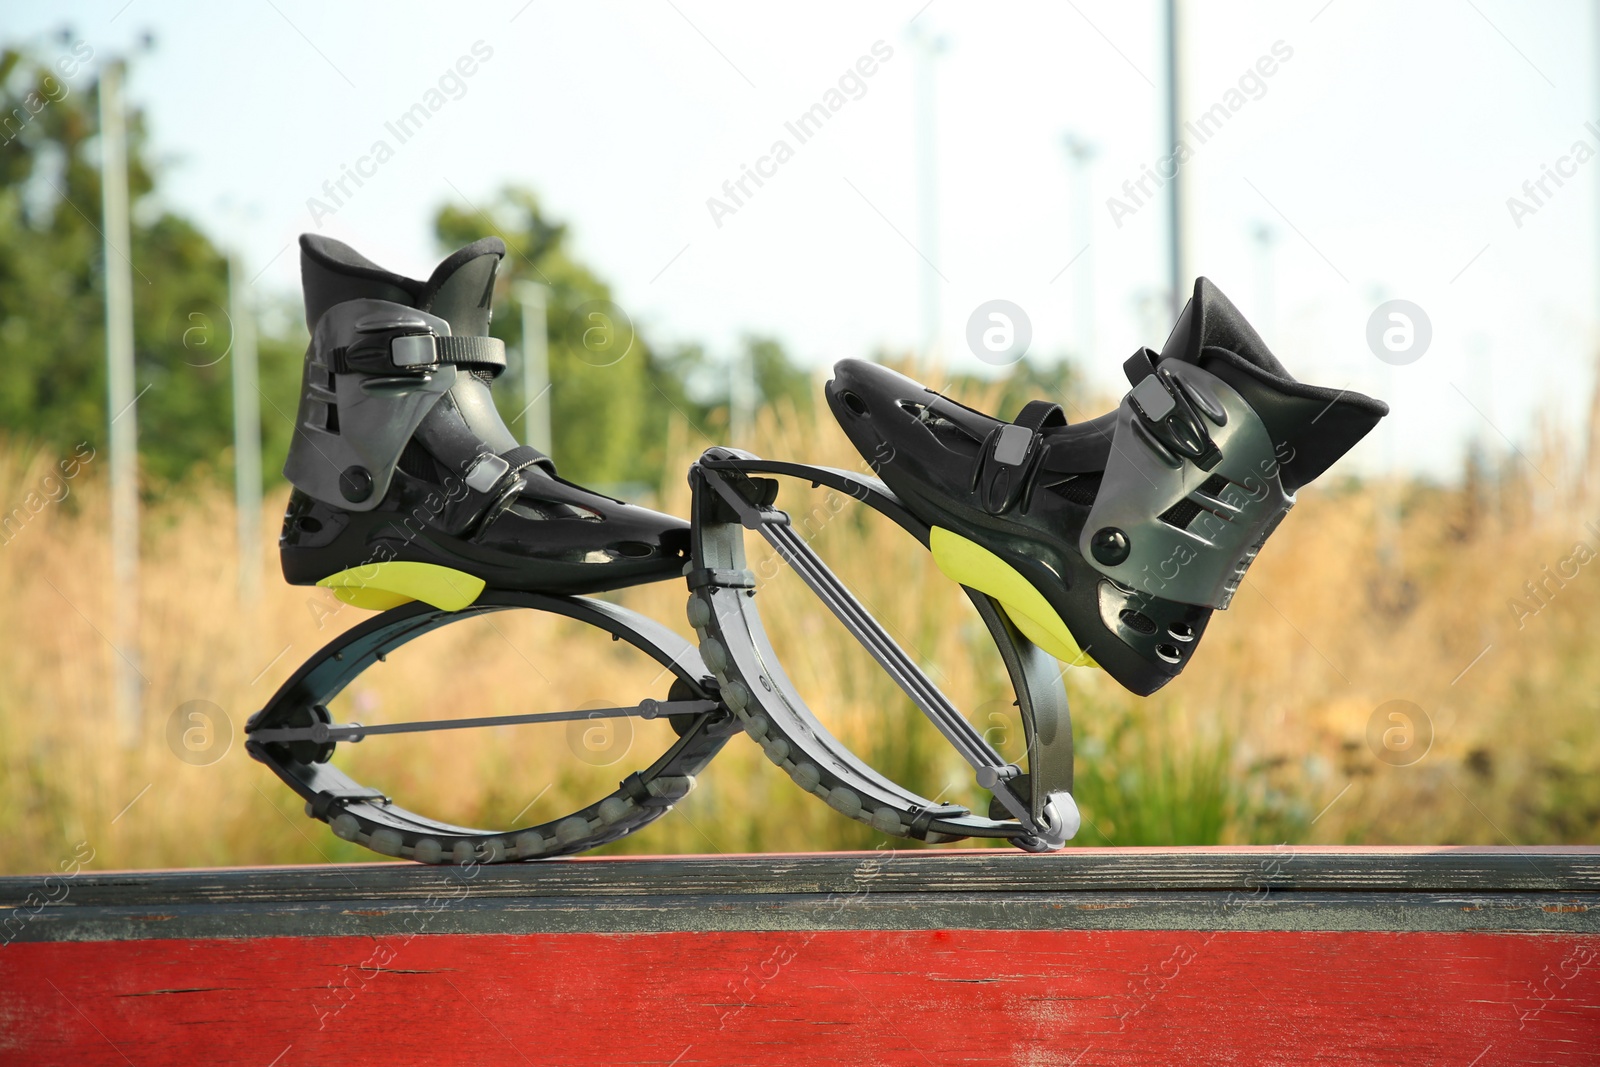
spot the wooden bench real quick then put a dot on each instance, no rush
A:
(1466, 956)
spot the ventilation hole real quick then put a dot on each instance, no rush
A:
(856, 405)
(1182, 631)
(307, 524)
(634, 549)
(675, 543)
(911, 407)
(551, 509)
(1081, 490)
(1137, 621)
(1168, 653)
(333, 381)
(1214, 485)
(951, 434)
(1181, 514)
(332, 425)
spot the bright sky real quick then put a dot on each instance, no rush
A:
(1377, 158)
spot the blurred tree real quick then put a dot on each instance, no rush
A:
(777, 378)
(52, 316)
(1057, 380)
(705, 383)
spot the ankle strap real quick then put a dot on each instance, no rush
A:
(419, 351)
(489, 472)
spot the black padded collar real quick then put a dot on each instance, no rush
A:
(1209, 320)
(341, 258)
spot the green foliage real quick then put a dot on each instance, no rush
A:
(1137, 783)
(700, 386)
(52, 311)
(1134, 786)
(777, 379)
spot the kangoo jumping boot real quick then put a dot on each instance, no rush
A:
(1111, 541)
(407, 483)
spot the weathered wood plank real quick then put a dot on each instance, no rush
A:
(1444, 869)
(714, 913)
(1555, 891)
(1080, 998)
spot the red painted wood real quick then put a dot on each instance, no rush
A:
(942, 997)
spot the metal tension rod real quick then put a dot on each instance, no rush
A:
(993, 771)
(320, 732)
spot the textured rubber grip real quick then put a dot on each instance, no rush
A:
(465, 351)
(478, 351)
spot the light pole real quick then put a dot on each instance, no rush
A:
(1080, 153)
(121, 401)
(1177, 251)
(1266, 240)
(533, 298)
(743, 396)
(927, 48)
(246, 431)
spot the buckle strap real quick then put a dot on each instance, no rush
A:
(1170, 412)
(1003, 470)
(1140, 365)
(418, 351)
(524, 456)
(1012, 456)
(1167, 414)
(483, 351)
(1039, 415)
(488, 472)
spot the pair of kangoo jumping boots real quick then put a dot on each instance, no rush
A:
(1107, 542)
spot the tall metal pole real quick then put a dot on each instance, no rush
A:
(1389, 560)
(121, 402)
(1177, 251)
(1266, 240)
(535, 365)
(927, 47)
(1388, 503)
(1481, 363)
(246, 432)
(1080, 153)
(743, 397)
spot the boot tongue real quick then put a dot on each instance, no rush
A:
(1209, 320)
(461, 287)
